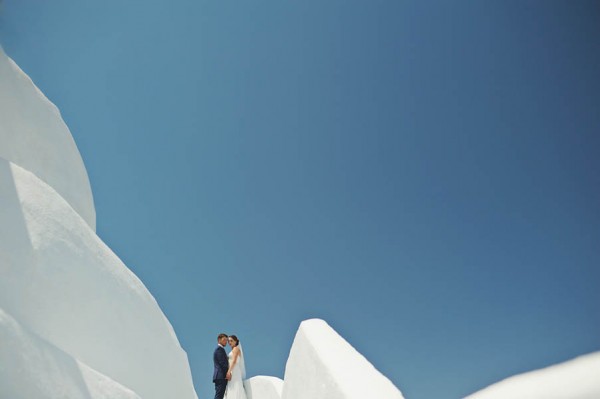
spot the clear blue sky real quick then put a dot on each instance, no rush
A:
(425, 176)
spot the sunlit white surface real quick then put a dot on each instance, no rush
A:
(34, 136)
(60, 281)
(263, 387)
(32, 368)
(323, 365)
(576, 379)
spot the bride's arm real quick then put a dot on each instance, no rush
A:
(236, 354)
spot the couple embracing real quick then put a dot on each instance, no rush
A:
(230, 370)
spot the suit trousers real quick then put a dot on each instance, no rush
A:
(220, 387)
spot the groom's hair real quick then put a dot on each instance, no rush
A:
(221, 336)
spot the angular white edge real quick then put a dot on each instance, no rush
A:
(323, 365)
(263, 387)
(34, 136)
(575, 379)
(60, 281)
(32, 368)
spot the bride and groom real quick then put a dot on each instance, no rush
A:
(230, 370)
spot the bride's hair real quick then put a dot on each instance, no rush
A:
(237, 341)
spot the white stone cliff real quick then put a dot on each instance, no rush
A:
(576, 379)
(33, 368)
(323, 365)
(64, 295)
(263, 387)
(34, 136)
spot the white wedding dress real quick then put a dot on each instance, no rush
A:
(235, 386)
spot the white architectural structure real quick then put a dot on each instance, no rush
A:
(322, 365)
(576, 379)
(34, 136)
(33, 368)
(64, 294)
(263, 387)
(64, 284)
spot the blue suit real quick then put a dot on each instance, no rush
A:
(220, 374)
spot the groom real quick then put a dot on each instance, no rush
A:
(221, 362)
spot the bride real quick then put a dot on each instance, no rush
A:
(237, 370)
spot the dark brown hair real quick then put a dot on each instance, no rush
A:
(237, 341)
(221, 336)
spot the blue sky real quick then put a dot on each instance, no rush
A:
(422, 175)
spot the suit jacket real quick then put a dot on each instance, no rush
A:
(221, 364)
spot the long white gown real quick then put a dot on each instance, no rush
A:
(235, 386)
